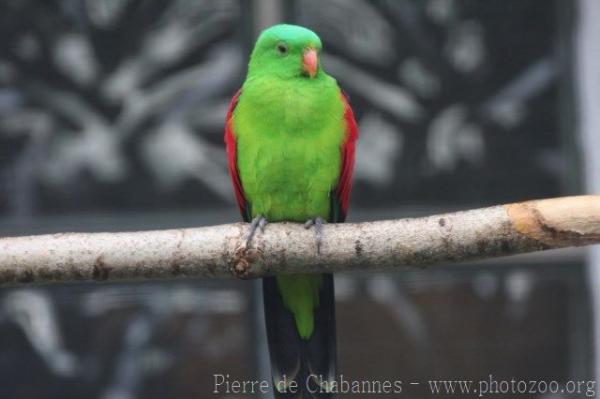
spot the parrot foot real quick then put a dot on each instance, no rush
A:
(318, 223)
(259, 222)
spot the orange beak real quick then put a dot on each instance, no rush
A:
(310, 62)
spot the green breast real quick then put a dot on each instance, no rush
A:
(289, 134)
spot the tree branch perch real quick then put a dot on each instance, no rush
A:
(218, 251)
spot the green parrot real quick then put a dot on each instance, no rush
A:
(290, 136)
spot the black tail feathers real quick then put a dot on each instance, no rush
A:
(301, 368)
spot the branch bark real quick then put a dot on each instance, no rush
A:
(219, 251)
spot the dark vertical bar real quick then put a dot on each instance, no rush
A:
(571, 182)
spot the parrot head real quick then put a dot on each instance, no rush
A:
(286, 51)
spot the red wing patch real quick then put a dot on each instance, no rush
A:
(348, 148)
(230, 144)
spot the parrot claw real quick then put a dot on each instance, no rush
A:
(262, 223)
(259, 222)
(318, 223)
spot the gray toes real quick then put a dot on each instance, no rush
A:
(258, 222)
(318, 224)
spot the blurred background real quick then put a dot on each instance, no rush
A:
(111, 118)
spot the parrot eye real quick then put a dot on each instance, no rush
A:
(282, 48)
